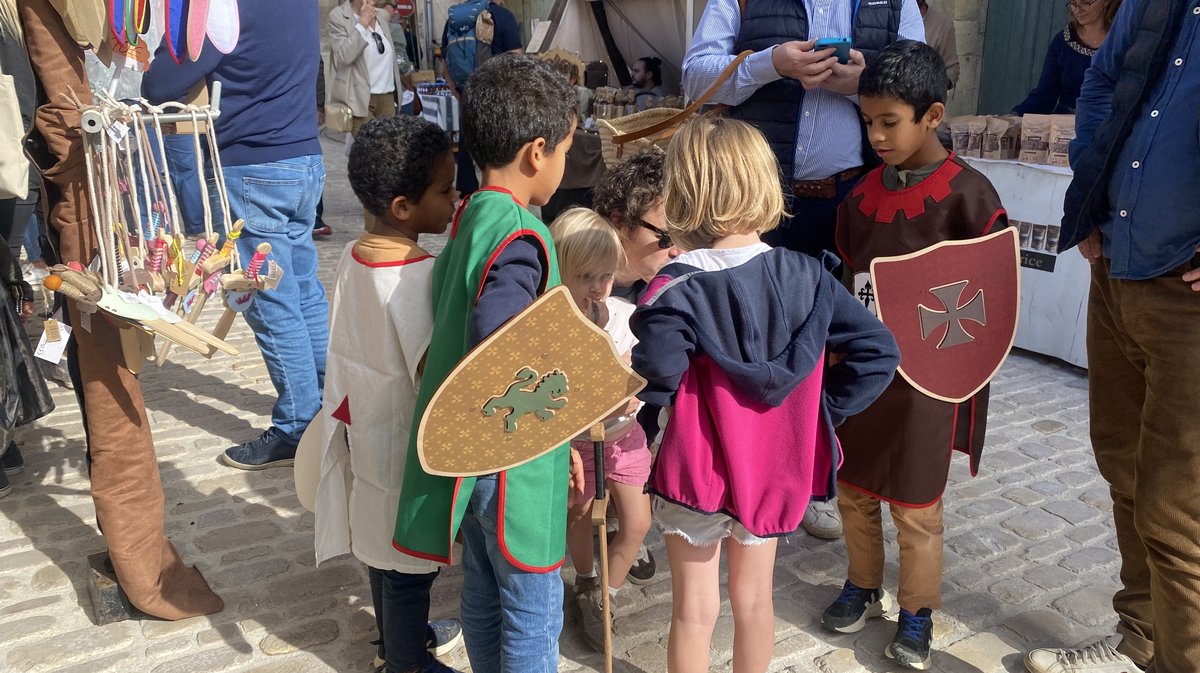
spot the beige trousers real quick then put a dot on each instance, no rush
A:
(919, 532)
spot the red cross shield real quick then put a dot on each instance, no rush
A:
(953, 310)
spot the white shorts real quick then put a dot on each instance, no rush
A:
(700, 530)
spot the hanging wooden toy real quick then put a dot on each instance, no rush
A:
(142, 268)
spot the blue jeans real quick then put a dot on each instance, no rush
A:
(401, 605)
(181, 158)
(278, 203)
(511, 618)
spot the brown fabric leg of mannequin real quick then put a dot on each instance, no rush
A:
(124, 469)
(126, 487)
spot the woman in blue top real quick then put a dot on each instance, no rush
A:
(1068, 58)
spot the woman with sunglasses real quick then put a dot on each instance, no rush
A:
(630, 198)
(366, 77)
(1069, 56)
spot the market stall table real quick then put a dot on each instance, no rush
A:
(1054, 288)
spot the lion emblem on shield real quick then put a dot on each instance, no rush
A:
(547, 395)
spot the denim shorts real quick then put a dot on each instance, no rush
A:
(698, 529)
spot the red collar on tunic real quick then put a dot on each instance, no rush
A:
(882, 204)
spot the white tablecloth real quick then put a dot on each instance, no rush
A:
(1054, 288)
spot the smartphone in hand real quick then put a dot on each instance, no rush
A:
(841, 45)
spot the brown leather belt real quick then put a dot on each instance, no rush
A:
(825, 188)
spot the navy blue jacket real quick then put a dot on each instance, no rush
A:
(267, 83)
(766, 324)
(1137, 150)
(1062, 76)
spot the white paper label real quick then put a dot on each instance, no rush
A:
(52, 351)
(865, 292)
(117, 131)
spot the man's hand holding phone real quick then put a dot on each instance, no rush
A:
(844, 78)
(829, 63)
(799, 61)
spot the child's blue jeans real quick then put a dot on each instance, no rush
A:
(511, 618)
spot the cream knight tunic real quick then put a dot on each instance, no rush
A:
(380, 321)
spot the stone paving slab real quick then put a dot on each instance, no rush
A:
(1030, 553)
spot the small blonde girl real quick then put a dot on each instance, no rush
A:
(589, 256)
(732, 338)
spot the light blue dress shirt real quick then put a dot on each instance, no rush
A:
(828, 137)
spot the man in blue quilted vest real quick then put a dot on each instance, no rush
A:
(804, 101)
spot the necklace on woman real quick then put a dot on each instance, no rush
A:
(1077, 42)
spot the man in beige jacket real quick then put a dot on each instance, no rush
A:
(939, 34)
(366, 75)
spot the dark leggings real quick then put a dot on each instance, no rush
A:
(402, 616)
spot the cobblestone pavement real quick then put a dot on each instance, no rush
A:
(1030, 553)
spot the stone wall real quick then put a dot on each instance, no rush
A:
(970, 19)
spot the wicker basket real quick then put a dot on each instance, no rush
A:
(623, 135)
(614, 152)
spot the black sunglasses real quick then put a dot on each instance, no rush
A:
(664, 239)
(378, 41)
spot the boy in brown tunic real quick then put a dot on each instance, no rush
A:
(899, 449)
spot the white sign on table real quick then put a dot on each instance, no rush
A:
(1054, 287)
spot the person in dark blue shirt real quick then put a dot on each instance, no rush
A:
(274, 174)
(1068, 57)
(1131, 210)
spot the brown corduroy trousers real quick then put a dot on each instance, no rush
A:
(1144, 379)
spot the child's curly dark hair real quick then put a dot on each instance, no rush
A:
(394, 156)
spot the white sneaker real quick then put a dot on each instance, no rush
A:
(32, 274)
(1099, 657)
(60, 374)
(823, 520)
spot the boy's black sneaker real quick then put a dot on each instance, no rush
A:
(910, 647)
(12, 462)
(5, 487)
(850, 612)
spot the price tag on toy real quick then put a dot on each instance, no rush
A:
(53, 342)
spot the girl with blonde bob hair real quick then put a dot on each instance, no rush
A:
(586, 242)
(732, 340)
(721, 179)
(589, 256)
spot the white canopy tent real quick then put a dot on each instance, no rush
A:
(640, 28)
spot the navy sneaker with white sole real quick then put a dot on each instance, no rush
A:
(270, 449)
(914, 633)
(850, 612)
